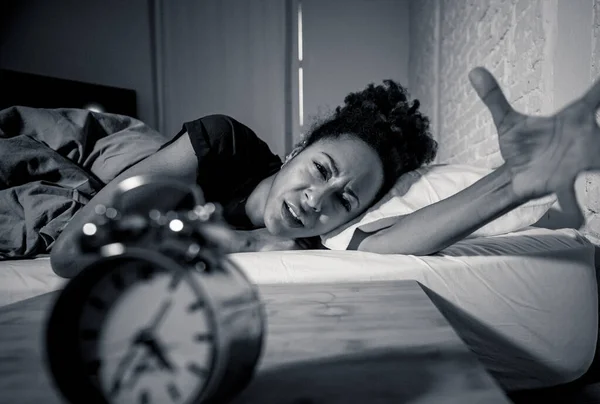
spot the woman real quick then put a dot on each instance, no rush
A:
(350, 160)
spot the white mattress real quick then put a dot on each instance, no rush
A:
(526, 303)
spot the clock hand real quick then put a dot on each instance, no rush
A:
(143, 335)
(140, 368)
(121, 369)
(146, 336)
(159, 352)
(159, 316)
(150, 341)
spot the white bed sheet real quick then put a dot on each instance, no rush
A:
(526, 303)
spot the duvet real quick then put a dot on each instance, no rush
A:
(52, 162)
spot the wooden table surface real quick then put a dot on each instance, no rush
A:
(373, 342)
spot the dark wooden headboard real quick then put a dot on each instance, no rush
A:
(32, 90)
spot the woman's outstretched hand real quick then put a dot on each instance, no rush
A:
(230, 240)
(544, 154)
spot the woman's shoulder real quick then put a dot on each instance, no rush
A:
(227, 134)
(217, 126)
(221, 121)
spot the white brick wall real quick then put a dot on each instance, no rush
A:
(514, 40)
(505, 37)
(592, 186)
(422, 58)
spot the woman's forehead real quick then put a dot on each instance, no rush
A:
(353, 159)
(349, 154)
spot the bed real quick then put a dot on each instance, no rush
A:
(525, 302)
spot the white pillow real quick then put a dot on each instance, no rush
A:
(425, 186)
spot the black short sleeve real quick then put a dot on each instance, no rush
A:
(232, 160)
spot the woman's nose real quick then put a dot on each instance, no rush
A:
(314, 199)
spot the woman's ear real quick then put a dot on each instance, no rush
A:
(293, 154)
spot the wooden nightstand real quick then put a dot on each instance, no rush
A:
(371, 342)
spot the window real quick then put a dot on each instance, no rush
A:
(300, 72)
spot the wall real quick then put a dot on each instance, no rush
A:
(225, 57)
(214, 56)
(540, 51)
(424, 58)
(349, 44)
(189, 58)
(593, 180)
(96, 41)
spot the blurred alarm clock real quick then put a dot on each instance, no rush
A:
(160, 315)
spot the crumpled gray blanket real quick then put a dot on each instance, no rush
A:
(52, 162)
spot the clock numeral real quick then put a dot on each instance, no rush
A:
(203, 337)
(97, 303)
(173, 392)
(144, 397)
(197, 370)
(89, 335)
(197, 305)
(93, 366)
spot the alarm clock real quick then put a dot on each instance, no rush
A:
(160, 314)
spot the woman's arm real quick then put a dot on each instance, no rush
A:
(542, 155)
(177, 160)
(233, 241)
(440, 225)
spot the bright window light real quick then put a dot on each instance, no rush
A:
(300, 72)
(300, 31)
(300, 96)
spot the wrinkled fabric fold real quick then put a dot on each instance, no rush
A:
(52, 162)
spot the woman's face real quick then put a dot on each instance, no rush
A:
(326, 185)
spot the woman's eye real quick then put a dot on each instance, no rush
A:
(322, 170)
(345, 203)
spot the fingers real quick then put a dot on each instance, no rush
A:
(227, 239)
(570, 207)
(490, 93)
(592, 96)
(198, 194)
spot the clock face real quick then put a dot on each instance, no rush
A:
(141, 334)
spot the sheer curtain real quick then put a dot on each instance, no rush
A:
(225, 57)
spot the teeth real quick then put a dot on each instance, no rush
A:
(291, 211)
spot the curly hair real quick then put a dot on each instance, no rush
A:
(384, 118)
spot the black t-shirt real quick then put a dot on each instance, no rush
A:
(232, 161)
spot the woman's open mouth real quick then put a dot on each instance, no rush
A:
(289, 216)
